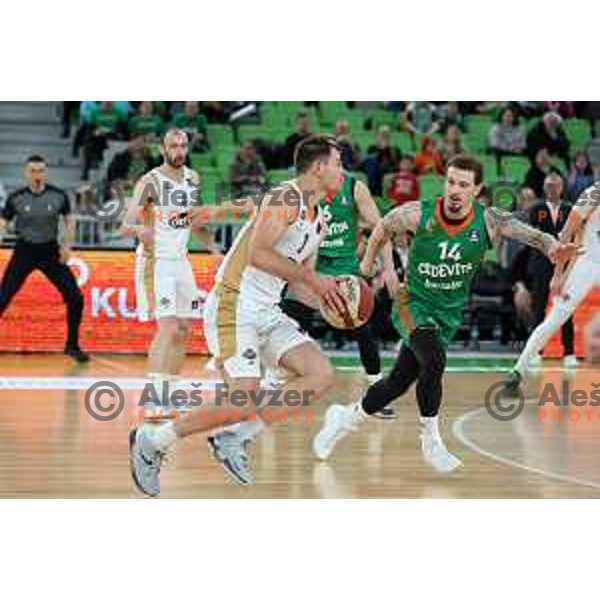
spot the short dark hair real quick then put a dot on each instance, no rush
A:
(312, 148)
(467, 163)
(35, 158)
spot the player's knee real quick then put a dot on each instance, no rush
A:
(168, 328)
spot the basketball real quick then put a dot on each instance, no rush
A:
(358, 300)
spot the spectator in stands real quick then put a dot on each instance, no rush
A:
(248, 173)
(513, 256)
(580, 177)
(530, 109)
(349, 150)
(420, 118)
(382, 158)
(451, 115)
(146, 121)
(565, 109)
(507, 137)
(302, 131)
(105, 122)
(548, 215)
(194, 123)
(2, 194)
(549, 134)
(128, 166)
(404, 186)
(69, 109)
(428, 159)
(215, 111)
(451, 143)
(538, 172)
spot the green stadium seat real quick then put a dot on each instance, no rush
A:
(490, 167)
(364, 139)
(382, 117)
(478, 122)
(431, 186)
(515, 168)
(219, 135)
(249, 133)
(330, 112)
(477, 135)
(210, 182)
(404, 141)
(225, 158)
(200, 161)
(579, 133)
(356, 120)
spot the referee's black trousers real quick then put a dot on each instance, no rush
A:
(25, 259)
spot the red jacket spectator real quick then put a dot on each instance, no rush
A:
(405, 185)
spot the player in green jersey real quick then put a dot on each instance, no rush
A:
(451, 235)
(337, 256)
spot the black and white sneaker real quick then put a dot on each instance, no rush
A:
(229, 449)
(144, 462)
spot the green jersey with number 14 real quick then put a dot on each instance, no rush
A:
(442, 262)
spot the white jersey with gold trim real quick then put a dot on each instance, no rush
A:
(170, 216)
(301, 240)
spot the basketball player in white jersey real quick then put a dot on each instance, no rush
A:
(161, 216)
(572, 281)
(243, 322)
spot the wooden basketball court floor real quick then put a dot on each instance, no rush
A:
(50, 447)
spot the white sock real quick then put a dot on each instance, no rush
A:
(430, 426)
(161, 437)
(247, 430)
(374, 378)
(358, 413)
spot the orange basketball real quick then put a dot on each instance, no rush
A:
(358, 300)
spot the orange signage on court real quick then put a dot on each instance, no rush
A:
(36, 319)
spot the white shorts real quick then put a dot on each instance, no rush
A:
(243, 334)
(165, 288)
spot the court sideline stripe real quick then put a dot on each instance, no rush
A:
(458, 432)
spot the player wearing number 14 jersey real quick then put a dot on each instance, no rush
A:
(451, 236)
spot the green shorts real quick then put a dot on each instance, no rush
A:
(407, 315)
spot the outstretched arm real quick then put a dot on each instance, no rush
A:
(503, 224)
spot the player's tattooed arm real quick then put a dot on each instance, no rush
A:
(397, 222)
(503, 224)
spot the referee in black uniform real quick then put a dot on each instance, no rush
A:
(37, 209)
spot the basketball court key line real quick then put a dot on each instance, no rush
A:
(459, 434)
